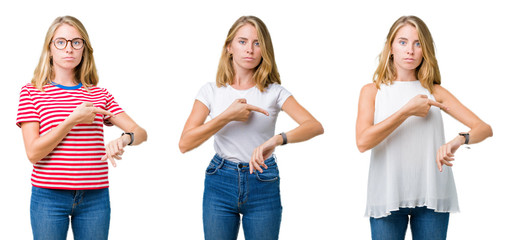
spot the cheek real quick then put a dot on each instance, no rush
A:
(418, 53)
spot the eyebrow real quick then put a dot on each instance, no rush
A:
(244, 38)
(406, 39)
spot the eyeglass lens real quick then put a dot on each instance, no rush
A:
(61, 43)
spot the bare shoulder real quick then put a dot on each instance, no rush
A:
(369, 91)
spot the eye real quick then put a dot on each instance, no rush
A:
(242, 42)
(257, 44)
(418, 44)
(60, 42)
(402, 42)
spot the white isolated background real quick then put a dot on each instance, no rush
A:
(153, 56)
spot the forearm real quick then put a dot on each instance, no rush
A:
(373, 135)
(140, 135)
(305, 131)
(40, 146)
(479, 132)
(194, 137)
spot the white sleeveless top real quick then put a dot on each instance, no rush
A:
(403, 170)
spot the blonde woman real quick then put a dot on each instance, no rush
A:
(400, 120)
(61, 114)
(243, 178)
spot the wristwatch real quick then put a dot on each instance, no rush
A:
(285, 139)
(466, 135)
(131, 135)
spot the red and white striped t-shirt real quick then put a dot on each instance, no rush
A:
(75, 164)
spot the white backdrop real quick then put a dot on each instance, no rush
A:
(154, 56)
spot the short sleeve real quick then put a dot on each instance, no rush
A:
(26, 109)
(282, 96)
(111, 106)
(205, 94)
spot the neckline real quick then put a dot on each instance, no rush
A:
(413, 81)
(67, 87)
(241, 90)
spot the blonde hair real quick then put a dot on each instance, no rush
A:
(266, 72)
(85, 72)
(427, 72)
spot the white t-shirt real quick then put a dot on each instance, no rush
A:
(237, 140)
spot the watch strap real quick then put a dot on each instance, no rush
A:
(285, 139)
(131, 135)
(467, 137)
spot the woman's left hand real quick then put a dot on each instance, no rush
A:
(115, 149)
(445, 155)
(261, 153)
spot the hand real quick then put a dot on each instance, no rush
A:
(420, 105)
(86, 112)
(261, 153)
(115, 149)
(445, 153)
(239, 110)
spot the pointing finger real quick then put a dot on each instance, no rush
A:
(437, 104)
(87, 104)
(103, 112)
(257, 109)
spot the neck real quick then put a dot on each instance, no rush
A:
(243, 79)
(64, 77)
(406, 75)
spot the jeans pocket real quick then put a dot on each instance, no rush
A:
(270, 174)
(212, 168)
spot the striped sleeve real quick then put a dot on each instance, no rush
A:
(111, 106)
(26, 110)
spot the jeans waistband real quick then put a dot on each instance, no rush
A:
(223, 162)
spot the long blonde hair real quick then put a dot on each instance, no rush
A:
(427, 72)
(266, 72)
(85, 72)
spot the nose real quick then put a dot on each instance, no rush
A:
(68, 48)
(410, 49)
(249, 48)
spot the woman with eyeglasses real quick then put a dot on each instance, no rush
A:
(399, 119)
(61, 114)
(242, 179)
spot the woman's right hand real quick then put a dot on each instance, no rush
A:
(239, 110)
(419, 106)
(85, 113)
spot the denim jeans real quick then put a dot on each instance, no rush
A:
(426, 224)
(88, 210)
(230, 191)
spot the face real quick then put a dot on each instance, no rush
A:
(406, 49)
(245, 49)
(67, 58)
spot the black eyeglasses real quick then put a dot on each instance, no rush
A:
(76, 43)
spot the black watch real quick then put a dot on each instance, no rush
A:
(131, 135)
(467, 137)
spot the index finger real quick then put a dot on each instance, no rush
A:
(103, 112)
(87, 104)
(437, 104)
(257, 109)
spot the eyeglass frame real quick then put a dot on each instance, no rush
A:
(67, 41)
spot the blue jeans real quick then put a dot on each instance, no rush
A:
(89, 212)
(230, 191)
(426, 224)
